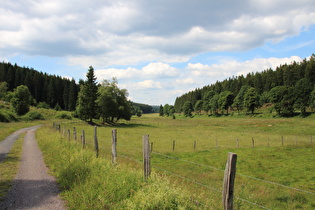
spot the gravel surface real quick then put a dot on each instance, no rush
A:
(33, 188)
(6, 144)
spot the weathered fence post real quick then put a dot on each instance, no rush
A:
(95, 141)
(282, 140)
(173, 146)
(74, 133)
(114, 144)
(228, 182)
(253, 142)
(146, 156)
(64, 131)
(83, 139)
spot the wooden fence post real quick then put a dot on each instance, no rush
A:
(173, 146)
(114, 144)
(253, 142)
(282, 140)
(83, 139)
(95, 141)
(146, 156)
(228, 182)
(74, 133)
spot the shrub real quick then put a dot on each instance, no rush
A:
(7, 116)
(63, 115)
(43, 105)
(33, 115)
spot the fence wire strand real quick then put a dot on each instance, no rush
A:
(270, 182)
(208, 187)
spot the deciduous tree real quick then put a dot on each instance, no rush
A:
(21, 100)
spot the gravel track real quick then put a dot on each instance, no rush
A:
(33, 187)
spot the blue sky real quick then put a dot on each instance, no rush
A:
(157, 50)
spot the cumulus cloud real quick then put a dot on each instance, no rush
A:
(128, 32)
(140, 42)
(152, 70)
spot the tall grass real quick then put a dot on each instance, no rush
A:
(94, 183)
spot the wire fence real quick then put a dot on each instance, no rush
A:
(172, 165)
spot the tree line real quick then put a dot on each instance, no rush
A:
(289, 88)
(88, 99)
(54, 91)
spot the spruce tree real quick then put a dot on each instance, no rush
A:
(87, 107)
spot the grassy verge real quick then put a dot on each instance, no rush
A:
(94, 183)
(9, 167)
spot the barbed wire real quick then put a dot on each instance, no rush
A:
(206, 186)
(275, 183)
(187, 161)
(270, 182)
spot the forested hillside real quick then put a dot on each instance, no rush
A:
(55, 91)
(289, 87)
(46, 88)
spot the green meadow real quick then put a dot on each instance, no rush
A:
(276, 171)
(188, 160)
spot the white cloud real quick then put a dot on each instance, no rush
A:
(153, 70)
(131, 32)
(148, 84)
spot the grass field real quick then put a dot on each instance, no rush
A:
(277, 173)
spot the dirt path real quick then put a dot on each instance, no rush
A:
(6, 144)
(33, 188)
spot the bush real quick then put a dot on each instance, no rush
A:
(43, 105)
(33, 115)
(7, 116)
(63, 115)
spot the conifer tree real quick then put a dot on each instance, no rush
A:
(87, 107)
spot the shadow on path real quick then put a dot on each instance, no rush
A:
(27, 194)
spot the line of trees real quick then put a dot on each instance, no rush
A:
(288, 88)
(89, 100)
(52, 90)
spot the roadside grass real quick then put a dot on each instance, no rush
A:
(9, 167)
(94, 183)
(282, 154)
